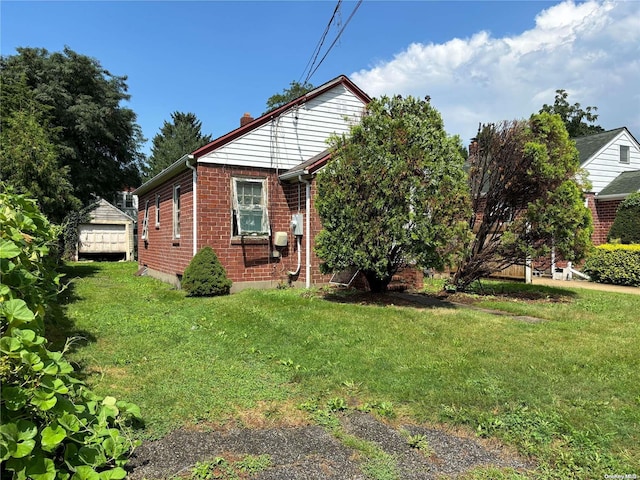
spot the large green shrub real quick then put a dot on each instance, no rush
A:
(53, 426)
(616, 264)
(626, 225)
(205, 276)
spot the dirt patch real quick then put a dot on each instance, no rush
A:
(311, 452)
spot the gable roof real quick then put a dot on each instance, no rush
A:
(105, 212)
(238, 132)
(589, 145)
(188, 160)
(622, 185)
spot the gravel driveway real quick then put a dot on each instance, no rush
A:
(310, 452)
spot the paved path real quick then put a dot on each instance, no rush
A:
(584, 284)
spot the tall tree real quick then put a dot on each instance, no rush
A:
(28, 154)
(295, 90)
(393, 192)
(98, 138)
(180, 136)
(575, 118)
(525, 197)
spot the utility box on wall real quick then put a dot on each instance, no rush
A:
(296, 224)
(280, 239)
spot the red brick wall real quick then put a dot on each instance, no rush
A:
(161, 251)
(245, 260)
(603, 213)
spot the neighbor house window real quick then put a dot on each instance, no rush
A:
(176, 211)
(158, 211)
(250, 215)
(145, 222)
(624, 154)
(128, 200)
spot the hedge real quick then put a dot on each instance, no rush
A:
(614, 263)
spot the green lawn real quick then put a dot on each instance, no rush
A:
(566, 390)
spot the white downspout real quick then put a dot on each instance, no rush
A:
(308, 231)
(194, 177)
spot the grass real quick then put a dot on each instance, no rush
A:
(564, 390)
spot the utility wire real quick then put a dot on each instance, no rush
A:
(316, 52)
(336, 39)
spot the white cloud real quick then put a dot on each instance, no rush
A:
(591, 49)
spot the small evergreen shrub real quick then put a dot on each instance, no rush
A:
(616, 264)
(205, 276)
(626, 225)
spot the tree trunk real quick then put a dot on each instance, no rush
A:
(377, 285)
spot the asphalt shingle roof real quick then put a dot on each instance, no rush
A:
(589, 145)
(626, 182)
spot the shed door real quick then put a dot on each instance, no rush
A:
(102, 238)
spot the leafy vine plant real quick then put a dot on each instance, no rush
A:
(53, 425)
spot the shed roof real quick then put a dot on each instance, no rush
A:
(623, 184)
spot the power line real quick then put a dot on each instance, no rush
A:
(316, 52)
(336, 39)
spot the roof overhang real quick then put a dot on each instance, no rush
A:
(613, 196)
(306, 169)
(171, 171)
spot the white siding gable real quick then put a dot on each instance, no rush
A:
(294, 136)
(605, 166)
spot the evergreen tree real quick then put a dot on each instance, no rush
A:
(176, 138)
(393, 193)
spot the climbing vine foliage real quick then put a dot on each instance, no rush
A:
(53, 425)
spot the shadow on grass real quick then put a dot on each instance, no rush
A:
(521, 291)
(391, 298)
(60, 328)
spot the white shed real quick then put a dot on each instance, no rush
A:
(109, 232)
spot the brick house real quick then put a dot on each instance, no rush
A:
(249, 194)
(612, 161)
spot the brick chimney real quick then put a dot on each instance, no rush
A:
(246, 118)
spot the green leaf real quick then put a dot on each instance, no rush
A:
(52, 435)
(24, 448)
(44, 400)
(54, 384)
(91, 456)
(8, 249)
(70, 422)
(85, 473)
(113, 474)
(32, 359)
(40, 468)
(16, 309)
(9, 345)
(14, 398)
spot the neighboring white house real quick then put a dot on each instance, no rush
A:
(109, 232)
(612, 160)
(608, 154)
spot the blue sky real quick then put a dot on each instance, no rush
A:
(479, 61)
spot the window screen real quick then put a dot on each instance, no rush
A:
(250, 207)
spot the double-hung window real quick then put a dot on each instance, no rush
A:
(145, 222)
(250, 214)
(625, 154)
(157, 210)
(176, 211)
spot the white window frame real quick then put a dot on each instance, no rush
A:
(145, 222)
(625, 154)
(237, 230)
(157, 210)
(176, 211)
